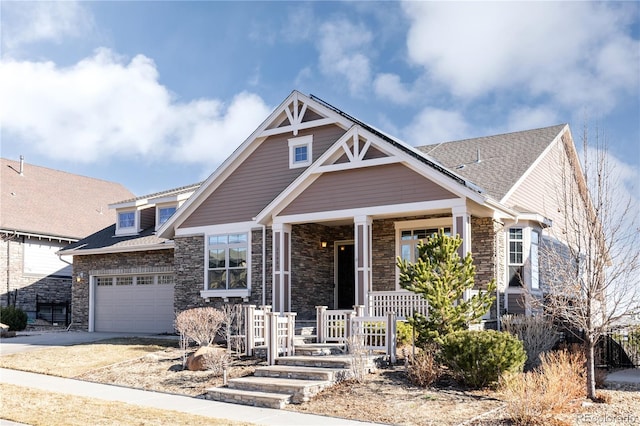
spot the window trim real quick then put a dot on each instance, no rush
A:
(306, 141)
(521, 264)
(406, 225)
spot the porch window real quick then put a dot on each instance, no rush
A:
(516, 258)
(227, 262)
(410, 238)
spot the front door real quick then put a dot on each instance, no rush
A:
(346, 282)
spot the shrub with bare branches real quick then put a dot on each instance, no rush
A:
(537, 333)
(359, 359)
(555, 387)
(423, 369)
(200, 324)
(216, 362)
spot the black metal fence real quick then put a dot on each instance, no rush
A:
(618, 348)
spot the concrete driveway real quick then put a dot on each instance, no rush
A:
(30, 341)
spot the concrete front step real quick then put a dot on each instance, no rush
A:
(317, 349)
(300, 390)
(246, 397)
(303, 373)
(327, 361)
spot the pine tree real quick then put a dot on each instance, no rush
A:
(442, 277)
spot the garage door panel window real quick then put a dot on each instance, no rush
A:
(124, 280)
(104, 281)
(227, 261)
(144, 280)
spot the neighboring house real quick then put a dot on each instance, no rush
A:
(315, 207)
(41, 211)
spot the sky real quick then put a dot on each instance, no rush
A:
(156, 95)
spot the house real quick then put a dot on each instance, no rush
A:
(41, 211)
(314, 208)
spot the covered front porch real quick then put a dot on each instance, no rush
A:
(346, 262)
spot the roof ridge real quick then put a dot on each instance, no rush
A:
(490, 136)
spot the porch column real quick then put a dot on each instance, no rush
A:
(363, 259)
(462, 227)
(281, 267)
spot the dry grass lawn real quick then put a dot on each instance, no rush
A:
(72, 361)
(385, 397)
(47, 408)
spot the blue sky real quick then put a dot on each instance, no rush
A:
(156, 95)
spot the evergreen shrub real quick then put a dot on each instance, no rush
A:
(479, 358)
(14, 317)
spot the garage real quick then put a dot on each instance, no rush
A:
(134, 304)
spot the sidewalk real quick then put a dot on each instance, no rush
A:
(202, 407)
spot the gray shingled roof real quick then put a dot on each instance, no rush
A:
(54, 203)
(174, 191)
(494, 163)
(106, 238)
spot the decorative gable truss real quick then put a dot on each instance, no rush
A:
(355, 149)
(298, 114)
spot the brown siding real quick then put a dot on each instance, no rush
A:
(258, 180)
(367, 187)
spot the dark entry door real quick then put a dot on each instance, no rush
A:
(346, 277)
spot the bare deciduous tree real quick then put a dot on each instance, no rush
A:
(593, 258)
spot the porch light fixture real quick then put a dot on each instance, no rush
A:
(79, 277)
(323, 244)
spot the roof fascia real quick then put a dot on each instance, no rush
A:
(167, 230)
(109, 250)
(335, 151)
(525, 175)
(38, 236)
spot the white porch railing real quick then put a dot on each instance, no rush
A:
(375, 333)
(280, 330)
(254, 323)
(404, 303)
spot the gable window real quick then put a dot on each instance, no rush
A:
(300, 151)
(164, 213)
(227, 262)
(516, 258)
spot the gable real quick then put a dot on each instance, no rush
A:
(258, 179)
(388, 184)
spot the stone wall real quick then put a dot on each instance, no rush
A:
(111, 264)
(26, 290)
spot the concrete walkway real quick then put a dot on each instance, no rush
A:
(30, 341)
(185, 404)
(629, 377)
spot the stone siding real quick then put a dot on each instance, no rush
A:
(111, 264)
(26, 290)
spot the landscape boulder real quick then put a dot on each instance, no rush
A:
(196, 361)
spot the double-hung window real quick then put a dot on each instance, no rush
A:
(516, 257)
(126, 220)
(227, 261)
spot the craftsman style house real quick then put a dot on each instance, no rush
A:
(313, 209)
(41, 211)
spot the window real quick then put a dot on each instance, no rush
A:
(126, 220)
(124, 280)
(516, 258)
(410, 238)
(300, 151)
(104, 281)
(165, 279)
(227, 258)
(144, 280)
(164, 213)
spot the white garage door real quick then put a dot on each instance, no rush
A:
(134, 304)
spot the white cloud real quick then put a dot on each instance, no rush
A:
(30, 21)
(574, 52)
(434, 125)
(389, 86)
(103, 107)
(343, 53)
(526, 117)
